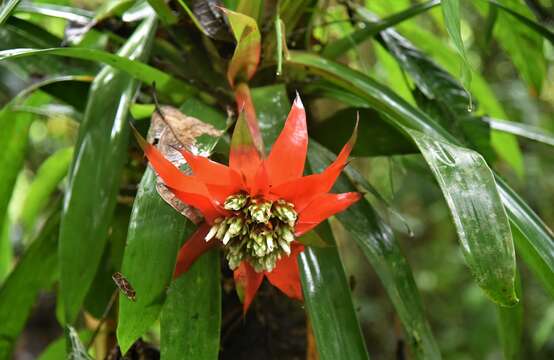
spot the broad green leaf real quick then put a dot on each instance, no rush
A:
(191, 317)
(451, 14)
(155, 232)
(272, 106)
(378, 244)
(403, 115)
(164, 12)
(13, 137)
(376, 137)
(245, 59)
(510, 326)
(341, 46)
(95, 173)
(470, 191)
(165, 83)
(34, 272)
(7, 8)
(56, 349)
(48, 176)
(328, 302)
(526, 131)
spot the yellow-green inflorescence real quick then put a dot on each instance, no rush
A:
(258, 231)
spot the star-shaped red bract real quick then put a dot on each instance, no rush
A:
(278, 178)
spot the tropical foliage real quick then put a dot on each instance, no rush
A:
(451, 104)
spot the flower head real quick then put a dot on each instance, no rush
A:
(256, 207)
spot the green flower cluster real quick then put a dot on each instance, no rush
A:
(259, 231)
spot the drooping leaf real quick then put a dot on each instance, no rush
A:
(48, 176)
(191, 317)
(34, 272)
(95, 173)
(378, 244)
(470, 191)
(403, 115)
(328, 302)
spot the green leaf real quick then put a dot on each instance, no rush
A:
(328, 302)
(155, 232)
(164, 12)
(69, 13)
(524, 130)
(34, 272)
(165, 83)
(245, 59)
(7, 8)
(510, 326)
(337, 48)
(379, 245)
(470, 191)
(403, 115)
(545, 32)
(191, 317)
(524, 45)
(95, 173)
(505, 145)
(311, 238)
(50, 173)
(6, 251)
(14, 138)
(533, 239)
(451, 14)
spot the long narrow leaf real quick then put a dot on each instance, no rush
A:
(328, 302)
(95, 173)
(523, 130)
(378, 244)
(7, 8)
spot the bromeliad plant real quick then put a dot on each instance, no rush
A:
(290, 212)
(256, 207)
